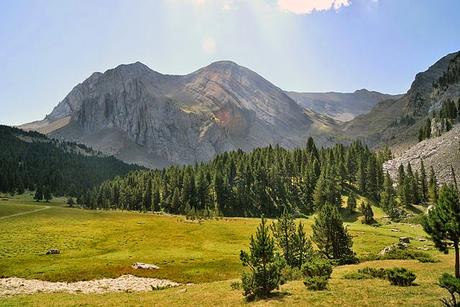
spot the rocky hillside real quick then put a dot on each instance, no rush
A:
(341, 106)
(441, 153)
(396, 121)
(142, 116)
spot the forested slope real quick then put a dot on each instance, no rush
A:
(29, 160)
(265, 181)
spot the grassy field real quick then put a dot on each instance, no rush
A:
(97, 244)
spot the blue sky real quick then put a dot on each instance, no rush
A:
(47, 47)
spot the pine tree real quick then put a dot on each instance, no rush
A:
(443, 223)
(432, 187)
(351, 203)
(423, 183)
(284, 231)
(263, 263)
(368, 214)
(38, 194)
(331, 237)
(303, 250)
(47, 194)
(388, 196)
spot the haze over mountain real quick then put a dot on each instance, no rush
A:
(341, 106)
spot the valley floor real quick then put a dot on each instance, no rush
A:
(100, 244)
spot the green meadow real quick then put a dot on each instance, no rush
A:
(97, 244)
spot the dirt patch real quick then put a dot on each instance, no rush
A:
(125, 283)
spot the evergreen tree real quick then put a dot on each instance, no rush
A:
(423, 183)
(387, 197)
(351, 203)
(284, 231)
(432, 187)
(331, 237)
(303, 250)
(47, 194)
(368, 213)
(443, 223)
(38, 194)
(263, 263)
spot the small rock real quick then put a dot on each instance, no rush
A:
(395, 230)
(182, 290)
(53, 251)
(404, 240)
(144, 266)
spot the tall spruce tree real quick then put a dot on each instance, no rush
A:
(432, 187)
(423, 183)
(443, 223)
(284, 231)
(303, 249)
(331, 237)
(388, 197)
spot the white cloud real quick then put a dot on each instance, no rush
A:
(308, 6)
(208, 45)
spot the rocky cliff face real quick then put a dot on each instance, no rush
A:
(142, 116)
(341, 106)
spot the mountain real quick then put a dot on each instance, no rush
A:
(30, 160)
(142, 116)
(341, 106)
(396, 122)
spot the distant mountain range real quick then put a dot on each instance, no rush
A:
(341, 106)
(142, 116)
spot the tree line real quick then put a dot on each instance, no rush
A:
(31, 161)
(266, 181)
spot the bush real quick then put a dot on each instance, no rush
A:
(408, 254)
(316, 283)
(400, 277)
(367, 273)
(288, 273)
(452, 285)
(317, 273)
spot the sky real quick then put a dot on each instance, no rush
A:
(48, 47)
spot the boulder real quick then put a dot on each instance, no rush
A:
(144, 266)
(53, 251)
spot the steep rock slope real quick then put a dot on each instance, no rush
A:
(142, 116)
(440, 153)
(341, 106)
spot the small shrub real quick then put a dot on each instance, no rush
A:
(374, 273)
(316, 283)
(401, 277)
(367, 273)
(317, 273)
(408, 254)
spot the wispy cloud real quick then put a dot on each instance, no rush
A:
(309, 6)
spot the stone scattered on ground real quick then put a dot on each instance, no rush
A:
(53, 251)
(404, 240)
(395, 230)
(144, 266)
(395, 246)
(125, 283)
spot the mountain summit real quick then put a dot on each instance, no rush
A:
(142, 116)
